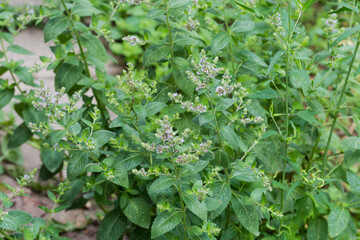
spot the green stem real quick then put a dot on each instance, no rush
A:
(7, 236)
(338, 105)
(287, 112)
(100, 105)
(77, 38)
(314, 149)
(230, 45)
(169, 29)
(7, 61)
(178, 186)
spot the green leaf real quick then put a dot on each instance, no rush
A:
(19, 49)
(307, 4)
(155, 53)
(55, 136)
(84, 8)
(140, 111)
(221, 192)
(21, 135)
(51, 195)
(245, 7)
(120, 174)
(9, 223)
(193, 203)
(317, 229)
(350, 143)
(243, 173)
(154, 107)
(268, 93)
(102, 136)
(232, 139)
(177, 3)
(6, 96)
(221, 159)
(130, 161)
(52, 159)
(242, 26)
(247, 215)
(94, 47)
(28, 234)
(299, 78)
(252, 57)
(77, 164)
(162, 183)
(345, 35)
(112, 226)
(67, 75)
(274, 60)
(55, 27)
(308, 116)
(353, 180)
(165, 222)
(75, 116)
(136, 210)
(220, 41)
(20, 217)
(180, 77)
(338, 220)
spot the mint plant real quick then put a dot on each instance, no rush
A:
(230, 119)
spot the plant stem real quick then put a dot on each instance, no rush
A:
(100, 105)
(77, 38)
(169, 29)
(7, 236)
(7, 61)
(178, 186)
(230, 46)
(338, 105)
(287, 112)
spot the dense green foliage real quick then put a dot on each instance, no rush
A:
(232, 120)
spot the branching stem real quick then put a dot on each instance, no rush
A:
(338, 104)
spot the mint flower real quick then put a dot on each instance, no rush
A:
(331, 23)
(192, 25)
(133, 40)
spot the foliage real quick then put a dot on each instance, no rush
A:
(230, 120)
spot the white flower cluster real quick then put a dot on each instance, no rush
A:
(192, 25)
(171, 141)
(266, 182)
(48, 101)
(250, 3)
(276, 20)
(225, 87)
(201, 193)
(2, 214)
(64, 186)
(26, 179)
(133, 40)
(186, 158)
(212, 24)
(140, 172)
(255, 120)
(27, 17)
(166, 133)
(195, 107)
(134, 2)
(109, 174)
(43, 128)
(106, 33)
(128, 84)
(36, 68)
(203, 147)
(331, 22)
(205, 71)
